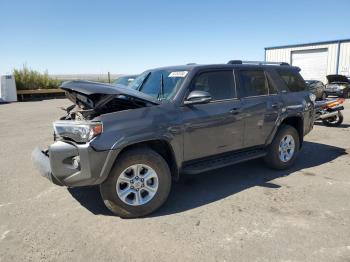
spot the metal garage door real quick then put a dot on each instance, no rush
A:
(313, 63)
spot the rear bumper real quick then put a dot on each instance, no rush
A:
(69, 164)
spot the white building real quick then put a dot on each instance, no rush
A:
(316, 60)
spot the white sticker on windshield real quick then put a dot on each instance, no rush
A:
(178, 74)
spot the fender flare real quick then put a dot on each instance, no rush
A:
(119, 148)
(282, 120)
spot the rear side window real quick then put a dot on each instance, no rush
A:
(253, 83)
(293, 80)
(219, 84)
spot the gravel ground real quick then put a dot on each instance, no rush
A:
(245, 212)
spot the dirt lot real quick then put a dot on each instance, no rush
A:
(245, 212)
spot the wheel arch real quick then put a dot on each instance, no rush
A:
(162, 147)
(295, 121)
(298, 123)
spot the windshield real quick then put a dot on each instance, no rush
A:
(161, 84)
(124, 80)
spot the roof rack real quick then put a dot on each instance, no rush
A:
(240, 62)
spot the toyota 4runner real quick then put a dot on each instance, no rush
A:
(134, 141)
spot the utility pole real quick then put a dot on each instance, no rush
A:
(109, 77)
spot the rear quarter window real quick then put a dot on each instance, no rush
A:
(293, 80)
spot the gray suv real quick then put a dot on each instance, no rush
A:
(133, 142)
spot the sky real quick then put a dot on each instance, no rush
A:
(83, 37)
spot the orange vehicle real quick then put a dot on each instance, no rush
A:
(329, 111)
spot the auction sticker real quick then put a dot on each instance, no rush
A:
(178, 74)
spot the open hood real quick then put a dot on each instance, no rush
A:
(94, 95)
(337, 78)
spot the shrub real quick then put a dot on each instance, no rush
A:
(27, 78)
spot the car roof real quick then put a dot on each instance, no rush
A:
(190, 67)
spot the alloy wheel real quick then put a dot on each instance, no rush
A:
(137, 185)
(286, 148)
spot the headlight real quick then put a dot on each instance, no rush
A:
(342, 87)
(78, 131)
(312, 97)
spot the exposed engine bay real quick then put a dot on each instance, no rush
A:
(93, 99)
(84, 110)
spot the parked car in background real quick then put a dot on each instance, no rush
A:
(338, 85)
(135, 141)
(124, 80)
(317, 88)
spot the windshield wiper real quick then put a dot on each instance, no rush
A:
(161, 88)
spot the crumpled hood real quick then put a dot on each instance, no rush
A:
(94, 94)
(337, 78)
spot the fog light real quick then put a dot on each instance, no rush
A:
(76, 162)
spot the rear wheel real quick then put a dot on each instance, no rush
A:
(334, 121)
(284, 148)
(138, 184)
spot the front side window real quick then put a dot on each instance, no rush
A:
(293, 80)
(253, 83)
(219, 84)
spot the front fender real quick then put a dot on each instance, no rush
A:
(130, 127)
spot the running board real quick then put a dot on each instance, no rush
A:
(222, 161)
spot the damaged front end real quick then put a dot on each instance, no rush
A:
(93, 99)
(71, 160)
(71, 164)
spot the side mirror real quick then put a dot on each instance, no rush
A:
(198, 97)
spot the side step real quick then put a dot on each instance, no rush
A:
(222, 161)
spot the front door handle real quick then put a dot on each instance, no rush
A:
(235, 110)
(276, 105)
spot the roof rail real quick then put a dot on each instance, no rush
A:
(240, 62)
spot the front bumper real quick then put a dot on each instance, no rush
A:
(42, 162)
(70, 164)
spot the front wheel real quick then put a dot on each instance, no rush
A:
(284, 148)
(139, 183)
(334, 121)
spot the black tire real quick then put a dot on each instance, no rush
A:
(144, 156)
(272, 158)
(334, 122)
